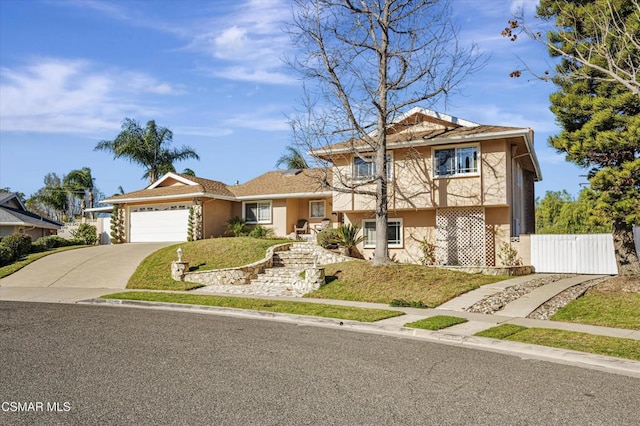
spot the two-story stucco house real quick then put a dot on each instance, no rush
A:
(458, 186)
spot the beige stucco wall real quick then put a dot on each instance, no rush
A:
(417, 225)
(413, 186)
(216, 213)
(495, 172)
(498, 219)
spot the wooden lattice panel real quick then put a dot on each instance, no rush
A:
(460, 236)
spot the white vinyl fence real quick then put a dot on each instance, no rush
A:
(574, 254)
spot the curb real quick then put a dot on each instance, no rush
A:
(523, 350)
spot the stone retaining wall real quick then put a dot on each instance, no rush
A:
(327, 257)
(236, 276)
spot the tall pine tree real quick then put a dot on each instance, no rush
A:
(598, 113)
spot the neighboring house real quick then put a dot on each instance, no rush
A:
(14, 218)
(457, 186)
(276, 200)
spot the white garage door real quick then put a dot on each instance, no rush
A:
(168, 224)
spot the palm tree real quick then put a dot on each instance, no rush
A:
(147, 147)
(80, 184)
(292, 159)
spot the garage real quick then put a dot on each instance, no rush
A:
(159, 223)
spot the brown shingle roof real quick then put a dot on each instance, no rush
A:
(424, 135)
(283, 182)
(203, 186)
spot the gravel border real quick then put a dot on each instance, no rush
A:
(496, 302)
(551, 306)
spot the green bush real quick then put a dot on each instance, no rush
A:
(20, 244)
(260, 231)
(6, 255)
(55, 241)
(237, 226)
(38, 246)
(327, 237)
(86, 234)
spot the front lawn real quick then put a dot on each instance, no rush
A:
(30, 258)
(583, 342)
(359, 281)
(297, 308)
(155, 270)
(614, 303)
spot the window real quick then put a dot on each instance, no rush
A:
(364, 168)
(257, 212)
(456, 161)
(394, 233)
(316, 209)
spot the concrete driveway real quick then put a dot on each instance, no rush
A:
(77, 274)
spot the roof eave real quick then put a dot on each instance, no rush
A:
(324, 152)
(167, 197)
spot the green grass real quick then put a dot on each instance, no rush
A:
(16, 266)
(154, 272)
(583, 342)
(605, 309)
(437, 322)
(359, 281)
(297, 308)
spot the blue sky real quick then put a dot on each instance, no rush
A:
(211, 71)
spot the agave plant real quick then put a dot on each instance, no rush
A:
(347, 237)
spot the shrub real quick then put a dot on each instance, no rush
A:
(55, 241)
(508, 255)
(38, 246)
(236, 226)
(20, 244)
(347, 236)
(428, 251)
(327, 237)
(86, 234)
(6, 255)
(260, 231)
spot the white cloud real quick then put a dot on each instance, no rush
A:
(71, 96)
(249, 42)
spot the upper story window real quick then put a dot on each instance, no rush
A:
(257, 212)
(364, 167)
(456, 161)
(316, 209)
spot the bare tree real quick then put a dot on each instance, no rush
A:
(369, 61)
(601, 37)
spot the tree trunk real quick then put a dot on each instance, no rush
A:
(626, 256)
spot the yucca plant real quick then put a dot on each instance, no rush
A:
(347, 237)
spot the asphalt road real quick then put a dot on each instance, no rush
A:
(114, 365)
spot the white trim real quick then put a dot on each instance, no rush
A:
(455, 148)
(324, 209)
(244, 211)
(173, 176)
(395, 219)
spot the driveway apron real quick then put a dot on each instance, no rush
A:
(77, 274)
